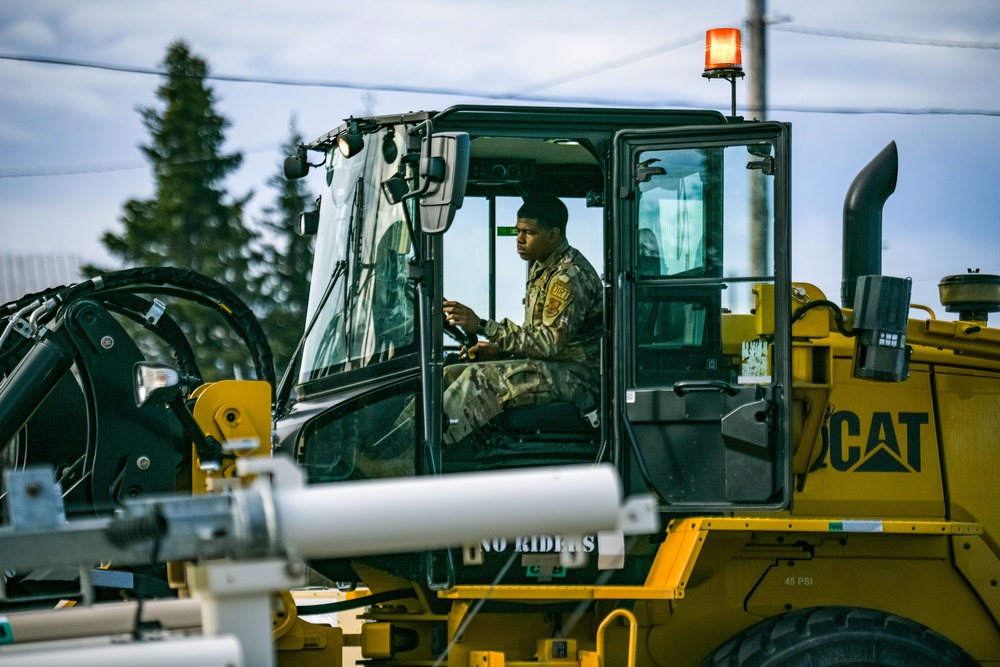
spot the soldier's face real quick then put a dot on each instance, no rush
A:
(535, 243)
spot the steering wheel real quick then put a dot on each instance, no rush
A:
(465, 340)
(459, 336)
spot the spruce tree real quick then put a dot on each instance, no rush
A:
(191, 222)
(287, 261)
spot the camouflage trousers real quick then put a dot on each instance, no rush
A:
(475, 393)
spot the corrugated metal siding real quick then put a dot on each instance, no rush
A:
(26, 274)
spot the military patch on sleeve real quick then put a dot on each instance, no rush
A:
(556, 300)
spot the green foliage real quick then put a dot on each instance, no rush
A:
(287, 262)
(191, 222)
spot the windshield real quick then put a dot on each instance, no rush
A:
(363, 245)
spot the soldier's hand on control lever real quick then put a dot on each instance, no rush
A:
(461, 316)
(483, 351)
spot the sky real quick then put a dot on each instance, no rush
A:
(849, 76)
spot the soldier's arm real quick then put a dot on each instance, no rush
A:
(563, 313)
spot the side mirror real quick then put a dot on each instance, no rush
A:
(308, 223)
(309, 220)
(444, 172)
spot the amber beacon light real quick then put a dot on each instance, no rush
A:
(724, 57)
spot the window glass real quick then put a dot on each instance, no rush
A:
(338, 445)
(672, 216)
(365, 243)
(466, 269)
(701, 243)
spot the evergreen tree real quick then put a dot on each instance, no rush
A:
(287, 262)
(190, 222)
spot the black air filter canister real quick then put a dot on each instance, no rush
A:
(881, 309)
(972, 295)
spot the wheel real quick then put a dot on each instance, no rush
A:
(839, 637)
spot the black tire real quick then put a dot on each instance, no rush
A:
(839, 637)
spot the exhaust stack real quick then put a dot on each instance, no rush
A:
(863, 220)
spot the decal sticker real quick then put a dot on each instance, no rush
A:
(889, 443)
(540, 544)
(548, 556)
(856, 526)
(610, 550)
(754, 366)
(556, 300)
(537, 572)
(798, 581)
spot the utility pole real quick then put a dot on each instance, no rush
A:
(757, 81)
(757, 110)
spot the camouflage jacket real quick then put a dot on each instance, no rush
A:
(563, 313)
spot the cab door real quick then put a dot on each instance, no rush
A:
(700, 355)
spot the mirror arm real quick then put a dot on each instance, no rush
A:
(208, 448)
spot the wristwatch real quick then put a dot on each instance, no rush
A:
(488, 328)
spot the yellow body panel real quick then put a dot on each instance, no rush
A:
(969, 402)
(880, 455)
(299, 643)
(237, 413)
(895, 508)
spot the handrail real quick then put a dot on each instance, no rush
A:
(632, 634)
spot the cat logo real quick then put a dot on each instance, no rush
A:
(888, 445)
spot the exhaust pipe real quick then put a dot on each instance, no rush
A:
(863, 220)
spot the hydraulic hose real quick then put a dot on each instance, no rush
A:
(181, 283)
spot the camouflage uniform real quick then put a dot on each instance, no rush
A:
(554, 355)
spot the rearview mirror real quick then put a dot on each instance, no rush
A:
(309, 220)
(444, 172)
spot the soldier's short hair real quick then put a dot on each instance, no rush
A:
(549, 211)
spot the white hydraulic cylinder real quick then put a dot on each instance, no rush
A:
(112, 618)
(415, 514)
(225, 651)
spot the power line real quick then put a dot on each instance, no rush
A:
(614, 64)
(314, 83)
(928, 111)
(134, 165)
(102, 168)
(109, 167)
(525, 94)
(349, 85)
(892, 39)
(319, 83)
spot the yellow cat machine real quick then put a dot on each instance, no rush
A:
(824, 474)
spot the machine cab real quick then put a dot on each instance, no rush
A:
(684, 218)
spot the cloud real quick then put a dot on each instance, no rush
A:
(57, 116)
(28, 34)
